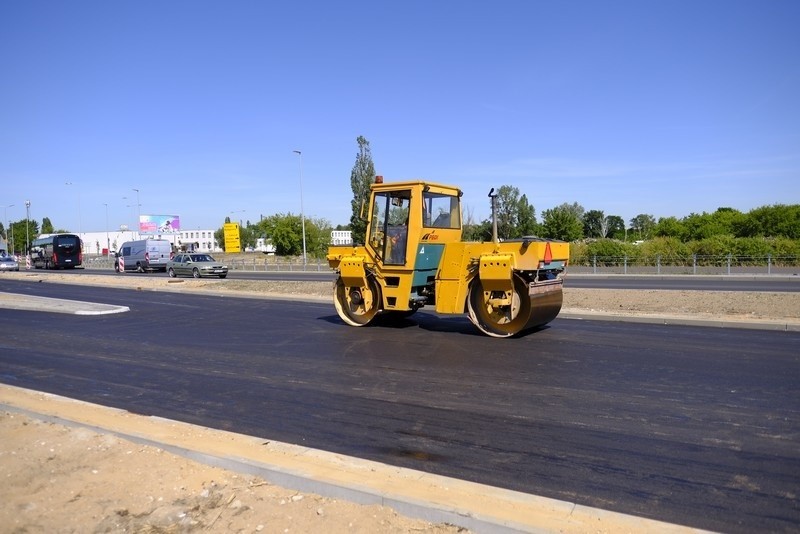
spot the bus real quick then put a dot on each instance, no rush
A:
(57, 251)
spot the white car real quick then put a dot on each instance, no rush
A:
(9, 263)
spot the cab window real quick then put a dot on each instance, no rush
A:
(389, 226)
(440, 211)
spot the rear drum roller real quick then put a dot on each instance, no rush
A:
(357, 306)
(527, 308)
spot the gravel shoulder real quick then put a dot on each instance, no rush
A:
(71, 479)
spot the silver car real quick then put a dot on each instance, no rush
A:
(197, 265)
(9, 263)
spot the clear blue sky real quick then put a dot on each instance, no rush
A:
(657, 107)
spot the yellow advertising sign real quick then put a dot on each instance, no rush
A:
(232, 237)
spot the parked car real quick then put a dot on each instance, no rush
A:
(9, 263)
(197, 265)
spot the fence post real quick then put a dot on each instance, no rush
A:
(729, 263)
(594, 263)
(625, 271)
(658, 264)
(769, 263)
(694, 263)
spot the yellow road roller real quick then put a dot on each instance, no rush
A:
(414, 257)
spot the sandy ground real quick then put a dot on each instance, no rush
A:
(63, 479)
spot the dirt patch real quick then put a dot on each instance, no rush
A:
(62, 479)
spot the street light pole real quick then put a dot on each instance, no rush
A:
(108, 241)
(138, 213)
(27, 225)
(240, 218)
(79, 206)
(8, 224)
(302, 214)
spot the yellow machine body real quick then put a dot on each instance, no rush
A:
(414, 257)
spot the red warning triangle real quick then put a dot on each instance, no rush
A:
(548, 254)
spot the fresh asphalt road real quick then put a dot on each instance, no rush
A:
(700, 282)
(690, 425)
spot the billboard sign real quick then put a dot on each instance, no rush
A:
(159, 224)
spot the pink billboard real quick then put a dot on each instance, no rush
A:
(159, 224)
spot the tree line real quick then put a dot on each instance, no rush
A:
(771, 229)
(23, 231)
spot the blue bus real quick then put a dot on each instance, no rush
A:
(57, 251)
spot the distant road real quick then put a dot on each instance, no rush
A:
(590, 281)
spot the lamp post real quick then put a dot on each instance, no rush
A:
(138, 213)
(238, 211)
(108, 241)
(8, 223)
(302, 214)
(27, 225)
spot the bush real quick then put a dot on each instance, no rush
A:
(669, 249)
(610, 251)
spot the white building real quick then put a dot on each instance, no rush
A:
(102, 242)
(341, 237)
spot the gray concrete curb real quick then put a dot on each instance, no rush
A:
(19, 301)
(759, 324)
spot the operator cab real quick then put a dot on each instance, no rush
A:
(402, 218)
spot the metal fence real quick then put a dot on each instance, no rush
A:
(694, 264)
(254, 264)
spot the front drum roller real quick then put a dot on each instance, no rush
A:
(527, 308)
(357, 306)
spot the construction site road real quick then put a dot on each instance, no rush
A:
(446, 329)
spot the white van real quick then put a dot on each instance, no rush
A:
(144, 255)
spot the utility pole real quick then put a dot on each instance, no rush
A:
(302, 215)
(27, 225)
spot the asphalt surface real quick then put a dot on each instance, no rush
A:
(688, 425)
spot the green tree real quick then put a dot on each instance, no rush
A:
(724, 221)
(286, 234)
(516, 217)
(595, 224)
(248, 235)
(643, 225)
(318, 237)
(20, 237)
(526, 218)
(507, 211)
(47, 226)
(361, 177)
(779, 220)
(562, 222)
(670, 227)
(616, 227)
